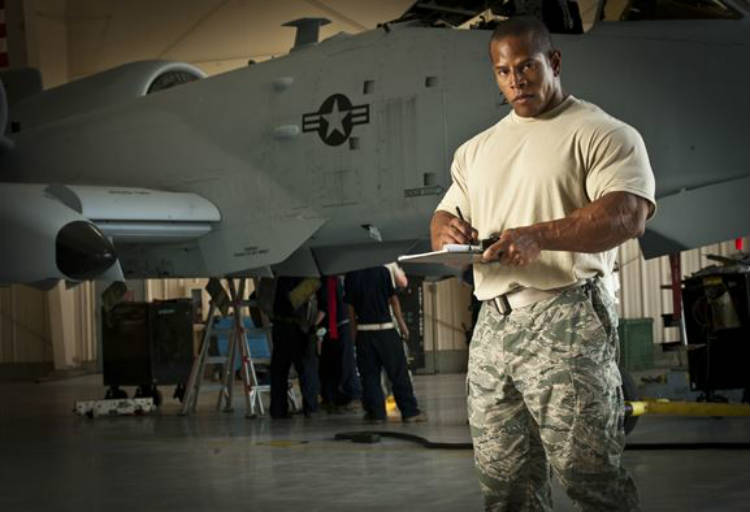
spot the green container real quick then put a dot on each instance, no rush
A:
(636, 343)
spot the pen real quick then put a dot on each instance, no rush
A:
(460, 216)
(483, 243)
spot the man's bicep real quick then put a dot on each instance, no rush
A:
(627, 211)
(619, 163)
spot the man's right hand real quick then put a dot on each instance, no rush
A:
(449, 229)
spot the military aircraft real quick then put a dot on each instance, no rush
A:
(334, 156)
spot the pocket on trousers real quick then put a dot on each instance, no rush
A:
(597, 387)
(592, 339)
(598, 429)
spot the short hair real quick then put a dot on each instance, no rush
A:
(523, 25)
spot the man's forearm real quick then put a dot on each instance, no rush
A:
(439, 219)
(446, 228)
(396, 306)
(598, 226)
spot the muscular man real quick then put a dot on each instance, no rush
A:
(561, 184)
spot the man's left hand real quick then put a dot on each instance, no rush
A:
(404, 332)
(517, 247)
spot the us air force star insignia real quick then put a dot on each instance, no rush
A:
(335, 119)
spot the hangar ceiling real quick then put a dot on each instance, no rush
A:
(76, 38)
(215, 35)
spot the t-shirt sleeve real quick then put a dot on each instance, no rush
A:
(458, 192)
(618, 162)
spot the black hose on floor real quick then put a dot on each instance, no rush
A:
(374, 436)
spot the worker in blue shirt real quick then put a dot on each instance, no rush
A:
(368, 293)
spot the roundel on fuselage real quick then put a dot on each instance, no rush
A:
(335, 119)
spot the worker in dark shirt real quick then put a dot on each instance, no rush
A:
(339, 382)
(294, 342)
(368, 294)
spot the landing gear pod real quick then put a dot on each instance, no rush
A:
(44, 240)
(82, 251)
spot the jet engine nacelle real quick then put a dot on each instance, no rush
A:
(101, 90)
(43, 240)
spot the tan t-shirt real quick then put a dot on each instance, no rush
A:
(526, 170)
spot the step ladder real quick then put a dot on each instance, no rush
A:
(237, 347)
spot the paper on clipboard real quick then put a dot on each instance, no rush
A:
(455, 255)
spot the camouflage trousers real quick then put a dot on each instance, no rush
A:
(544, 396)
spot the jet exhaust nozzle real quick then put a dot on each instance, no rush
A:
(82, 251)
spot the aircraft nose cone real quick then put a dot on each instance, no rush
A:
(82, 251)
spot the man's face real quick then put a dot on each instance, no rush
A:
(527, 77)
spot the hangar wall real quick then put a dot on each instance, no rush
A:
(641, 294)
(57, 330)
(446, 317)
(45, 331)
(24, 326)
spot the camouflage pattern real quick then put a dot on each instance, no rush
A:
(544, 396)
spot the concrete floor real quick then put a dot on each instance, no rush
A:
(54, 460)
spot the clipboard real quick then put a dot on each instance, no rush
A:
(454, 255)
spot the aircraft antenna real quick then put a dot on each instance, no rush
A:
(308, 30)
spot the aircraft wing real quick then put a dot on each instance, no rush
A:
(698, 217)
(52, 232)
(77, 232)
(89, 230)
